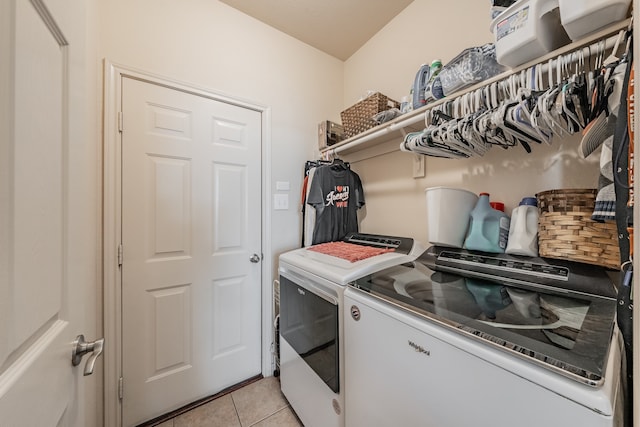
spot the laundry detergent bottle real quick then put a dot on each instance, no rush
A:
(419, 85)
(523, 233)
(488, 228)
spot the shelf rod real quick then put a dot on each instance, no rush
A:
(391, 126)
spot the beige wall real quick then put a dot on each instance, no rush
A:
(395, 201)
(423, 31)
(208, 44)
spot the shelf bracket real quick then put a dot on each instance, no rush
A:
(419, 166)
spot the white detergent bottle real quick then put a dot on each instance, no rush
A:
(523, 234)
(488, 228)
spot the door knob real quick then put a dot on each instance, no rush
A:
(255, 258)
(81, 347)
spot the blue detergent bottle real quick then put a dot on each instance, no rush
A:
(488, 228)
(433, 90)
(419, 85)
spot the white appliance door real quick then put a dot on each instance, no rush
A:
(191, 224)
(47, 227)
(399, 373)
(310, 374)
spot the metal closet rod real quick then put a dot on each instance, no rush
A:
(587, 45)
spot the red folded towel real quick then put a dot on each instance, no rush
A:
(349, 251)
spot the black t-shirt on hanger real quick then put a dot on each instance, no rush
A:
(336, 194)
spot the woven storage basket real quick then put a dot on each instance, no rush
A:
(566, 230)
(359, 117)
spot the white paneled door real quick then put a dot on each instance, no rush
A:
(44, 214)
(191, 224)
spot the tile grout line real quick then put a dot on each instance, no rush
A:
(268, 416)
(235, 408)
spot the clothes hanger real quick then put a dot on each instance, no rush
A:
(543, 106)
(597, 88)
(566, 100)
(471, 109)
(337, 164)
(423, 143)
(521, 115)
(580, 93)
(557, 107)
(535, 102)
(504, 116)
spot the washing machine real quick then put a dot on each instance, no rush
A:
(312, 285)
(465, 338)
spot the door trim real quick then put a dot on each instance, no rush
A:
(112, 227)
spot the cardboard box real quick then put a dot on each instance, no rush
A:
(329, 133)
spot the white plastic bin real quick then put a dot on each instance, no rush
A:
(582, 17)
(527, 30)
(448, 212)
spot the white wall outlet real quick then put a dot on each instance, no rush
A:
(418, 166)
(280, 202)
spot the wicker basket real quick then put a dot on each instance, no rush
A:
(359, 117)
(566, 230)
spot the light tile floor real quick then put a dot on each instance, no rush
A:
(259, 404)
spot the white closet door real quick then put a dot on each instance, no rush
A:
(191, 223)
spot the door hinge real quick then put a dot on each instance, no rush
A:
(120, 255)
(120, 121)
(120, 388)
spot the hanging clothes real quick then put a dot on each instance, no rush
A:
(308, 213)
(623, 150)
(600, 133)
(336, 194)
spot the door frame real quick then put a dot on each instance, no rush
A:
(112, 226)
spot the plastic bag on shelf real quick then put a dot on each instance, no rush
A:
(471, 66)
(386, 116)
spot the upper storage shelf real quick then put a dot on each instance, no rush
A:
(414, 121)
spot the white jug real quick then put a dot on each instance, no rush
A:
(523, 232)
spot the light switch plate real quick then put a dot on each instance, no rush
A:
(280, 202)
